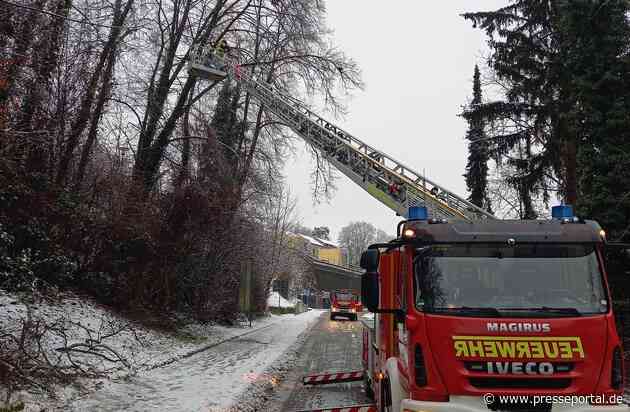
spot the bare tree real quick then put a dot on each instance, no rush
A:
(103, 69)
(382, 236)
(187, 19)
(356, 237)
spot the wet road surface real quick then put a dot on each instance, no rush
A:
(331, 346)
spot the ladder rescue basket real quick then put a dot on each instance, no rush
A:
(204, 64)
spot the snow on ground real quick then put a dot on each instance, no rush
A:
(275, 300)
(145, 349)
(233, 376)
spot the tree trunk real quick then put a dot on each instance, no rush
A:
(103, 97)
(144, 165)
(87, 102)
(150, 149)
(154, 154)
(184, 173)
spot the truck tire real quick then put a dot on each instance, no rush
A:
(332, 317)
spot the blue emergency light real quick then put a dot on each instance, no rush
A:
(418, 213)
(562, 212)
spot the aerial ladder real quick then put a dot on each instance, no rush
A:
(393, 183)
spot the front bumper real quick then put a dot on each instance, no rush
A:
(477, 404)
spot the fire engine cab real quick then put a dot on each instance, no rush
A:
(476, 315)
(345, 303)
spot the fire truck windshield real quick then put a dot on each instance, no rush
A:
(489, 280)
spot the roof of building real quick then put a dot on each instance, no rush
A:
(309, 239)
(317, 241)
(327, 242)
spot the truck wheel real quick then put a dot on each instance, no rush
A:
(332, 317)
(354, 317)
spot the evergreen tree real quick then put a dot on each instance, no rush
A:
(526, 124)
(477, 168)
(565, 68)
(225, 123)
(321, 232)
(596, 37)
(219, 157)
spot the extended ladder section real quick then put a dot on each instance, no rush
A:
(389, 181)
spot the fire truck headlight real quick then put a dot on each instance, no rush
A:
(602, 235)
(409, 233)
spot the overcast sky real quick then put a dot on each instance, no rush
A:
(417, 60)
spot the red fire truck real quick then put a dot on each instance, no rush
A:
(345, 303)
(491, 315)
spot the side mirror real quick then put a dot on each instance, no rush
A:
(369, 280)
(369, 291)
(369, 260)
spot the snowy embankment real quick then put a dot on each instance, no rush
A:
(113, 349)
(235, 376)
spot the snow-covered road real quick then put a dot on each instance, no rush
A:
(330, 346)
(209, 381)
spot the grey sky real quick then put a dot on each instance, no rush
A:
(417, 59)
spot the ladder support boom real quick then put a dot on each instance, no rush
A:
(393, 183)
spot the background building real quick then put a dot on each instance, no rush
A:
(321, 249)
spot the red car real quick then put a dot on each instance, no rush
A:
(345, 303)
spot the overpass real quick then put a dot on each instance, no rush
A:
(331, 277)
(328, 277)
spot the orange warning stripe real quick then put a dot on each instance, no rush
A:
(326, 378)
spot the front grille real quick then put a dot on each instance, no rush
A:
(482, 367)
(524, 383)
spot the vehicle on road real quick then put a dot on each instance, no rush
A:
(345, 303)
(468, 313)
